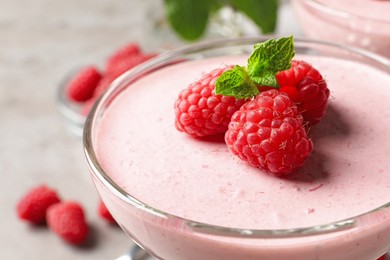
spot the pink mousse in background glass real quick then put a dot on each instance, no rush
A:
(361, 23)
(184, 198)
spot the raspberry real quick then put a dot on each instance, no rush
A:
(67, 220)
(33, 206)
(104, 213)
(267, 132)
(382, 257)
(124, 52)
(200, 112)
(121, 66)
(103, 85)
(99, 90)
(311, 94)
(81, 87)
(116, 70)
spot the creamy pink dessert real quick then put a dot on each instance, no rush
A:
(348, 173)
(361, 23)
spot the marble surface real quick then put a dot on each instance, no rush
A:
(40, 41)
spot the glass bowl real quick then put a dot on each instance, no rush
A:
(343, 24)
(70, 111)
(167, 236)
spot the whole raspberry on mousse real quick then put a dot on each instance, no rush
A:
(67, 220)
(199, 111)
(268, 133)
(33, 206)
(306, 87)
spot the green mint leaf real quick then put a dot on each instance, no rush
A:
(267, 79)
(270, 57)
(262, 12)
(188, 18)
(236, 82)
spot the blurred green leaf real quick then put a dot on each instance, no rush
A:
(262, 12)
(188, 17)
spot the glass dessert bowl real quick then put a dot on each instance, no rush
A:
(70, 111)
(192, 218)
(364, 24)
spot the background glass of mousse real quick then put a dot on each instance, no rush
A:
(364, 24)
(167, 236)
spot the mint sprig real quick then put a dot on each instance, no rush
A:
(270, 57)
(266, 60)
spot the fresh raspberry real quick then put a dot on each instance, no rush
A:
(104, 213)
(268, 133)
(307, 88)
(382, 257)
(116, 70)
(33, 206)
(103, 85)
(200, 112)
(121, 66)
(67, 220)
(122, 53)
(82, 86)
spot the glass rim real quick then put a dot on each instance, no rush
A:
(114, 188)
(323, 7)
